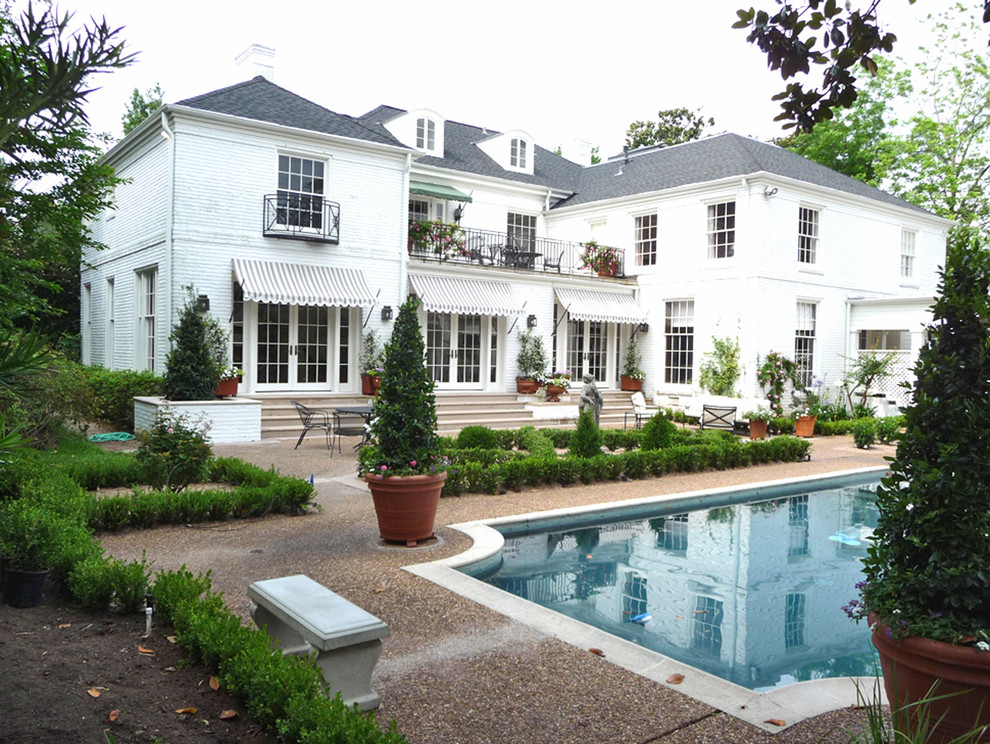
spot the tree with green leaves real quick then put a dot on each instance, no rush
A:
(673, 127)
(51, 180)
(842, 39)
(140, 107)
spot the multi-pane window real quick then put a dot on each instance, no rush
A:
(87, 321)
(146, 296)
(807, 235)
(794, 614)
(707, 636)
(907, 254)
(634, 595)
(646, 240)
(679, 338)
(797, 523)
(111, 331)
(426, 134)
(521, 230)
(344, 347)
(804, 341)
(722, 230)
(517, 153)
(672, 533)
(884, 340)
(419, 210)
(300, 192)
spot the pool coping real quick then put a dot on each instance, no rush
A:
(790, 704)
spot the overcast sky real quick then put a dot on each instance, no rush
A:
(560, 71)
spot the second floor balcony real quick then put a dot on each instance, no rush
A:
(442, 241)
(301, 217)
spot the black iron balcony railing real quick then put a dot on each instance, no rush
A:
(301, 217)
(440, 241)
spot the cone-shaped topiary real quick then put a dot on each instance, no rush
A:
(404, 422)
(192, 370)
(928, 570)
(586, 441)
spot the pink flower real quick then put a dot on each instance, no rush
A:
(384, 467)
(412, 464)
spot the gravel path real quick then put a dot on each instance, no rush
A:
(453, 671)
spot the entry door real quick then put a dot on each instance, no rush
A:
(587, 350)
(454, 350)
(293, 350)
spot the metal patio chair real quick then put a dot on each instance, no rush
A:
(718, 417)
(315, 418)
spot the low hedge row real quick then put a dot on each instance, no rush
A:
(715, 453)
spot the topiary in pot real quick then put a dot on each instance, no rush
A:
(928, 570)
(192, 369)
(402, 464)
(532, 362)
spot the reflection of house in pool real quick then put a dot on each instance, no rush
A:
(753, 593)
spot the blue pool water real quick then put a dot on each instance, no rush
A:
(751, 592)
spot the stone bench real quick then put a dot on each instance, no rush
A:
(307, 618)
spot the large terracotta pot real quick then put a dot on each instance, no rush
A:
(913, 665)
(406, 505)
(227, 387)
(554, 392)
(527, 386)
(632, 384)
(370, 384)
(758, 429)
(804, 426)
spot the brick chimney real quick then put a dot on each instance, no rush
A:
(259, 60)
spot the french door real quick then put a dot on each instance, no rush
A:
(457, 350)
(294, 346)
(587, 350)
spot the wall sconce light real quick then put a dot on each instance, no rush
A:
(386, 312)
(769, 193)
(203, 303)
(531, 321)
(644, 327)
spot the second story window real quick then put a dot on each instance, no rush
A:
(646, 240)
(521, 231)
(419, 210)
(722, 230)
(807, 235)
(300, 192)
(517, 153)
(907, 254)
(426, 134)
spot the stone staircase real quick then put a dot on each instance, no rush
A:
(454, 410)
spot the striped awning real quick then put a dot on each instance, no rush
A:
(302, 284)
(447, 294)
(593, 304)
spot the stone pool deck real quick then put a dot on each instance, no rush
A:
(453, 670)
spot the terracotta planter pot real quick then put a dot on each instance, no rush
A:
(554, 392)
(406, 505)
(227, 387)
(370, 384)
(606, 272)
(527, 386)
(915, 664)
(804, 426)
(632, 384)
(758, 429)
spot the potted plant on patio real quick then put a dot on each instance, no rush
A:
(602, 259)
(402, 463)
(632, 376)
(26, 532)
(556, 385)
(758, 422)
(532, 361)
(371, 364)
(928, 570)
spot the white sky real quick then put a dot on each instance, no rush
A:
(560, 71)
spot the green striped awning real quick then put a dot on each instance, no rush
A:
(437, 191)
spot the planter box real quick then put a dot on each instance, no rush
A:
(231, 421)
(631, 384)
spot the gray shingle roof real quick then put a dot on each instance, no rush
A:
(712, 159)
(262, 100)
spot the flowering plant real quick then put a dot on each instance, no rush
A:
(773, 374)
(558, 379)
(758, 415)
(603, 259)
(229, 373)
(928, 570)
(404, 419)
(439, 238)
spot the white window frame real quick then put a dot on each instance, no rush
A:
(809, 222)
(909, 240)
(145, 308)
(111, 318)
(721, 229)
(300, 195)
(518, 148)
(645, 238)
(678, 342)
(426, 134)
(805, 335)
(87, 323)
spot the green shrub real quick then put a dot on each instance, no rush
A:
(131, 582)
(192, 369)
(537, 442)
(91, 583)
(480, 437)
(505, 439)
(834, 428)
(615, 439)
(657, 432)
(888, 429)
(173, 589)
(173, 454)
(586, 439)
(561, 438)
(864, 432)
(114, 392)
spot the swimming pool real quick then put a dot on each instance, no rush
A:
(791, 703)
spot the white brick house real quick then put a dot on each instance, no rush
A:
(721, 237)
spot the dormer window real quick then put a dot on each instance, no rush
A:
(426, 134)
(517, 153)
